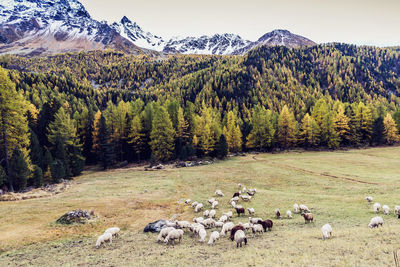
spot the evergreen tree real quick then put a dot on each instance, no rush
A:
(391, 132)
(310, 132)
(3, 177)
(162, 135)
(287, 128)
(378, 132)
(57, 171)
(222, 147)
(136, 136)
(106, 152)
(19, 171)
(363, 123)
(60, 153)
(341, 125)
(262, 134)
(323, 116)
(36, 152)
(232, 133)
(37, 176)
(96, 132)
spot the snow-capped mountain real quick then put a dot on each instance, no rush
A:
(54, 26)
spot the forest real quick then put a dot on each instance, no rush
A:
(62, 112)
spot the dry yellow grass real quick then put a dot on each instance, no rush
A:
(332, 184)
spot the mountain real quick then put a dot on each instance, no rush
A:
(33, 27)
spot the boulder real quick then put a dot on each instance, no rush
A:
(75, 216)
(155, 227)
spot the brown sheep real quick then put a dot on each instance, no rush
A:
(235, 229)
(239, 210)
(267, 224)
(236, 194)
(308, 217)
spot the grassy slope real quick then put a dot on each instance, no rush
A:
(332, 184)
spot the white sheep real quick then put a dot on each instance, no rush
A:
(296, 208)
(103, 239)
(223, 218)
(369, 199)
(182, 225)
(289, 214)
(228, 214)
(219, 193)
(213, 237)
(214, 205)
(246, 226)
(212, 213)
(206, 213)
(163, 233)
(226, 228)
(244, 190)
(208, 223)
(187, 201)
(304, 208)
(113, 230)
(194, 204)
(173, 235)
(245, 198)
(219, 224)
(239, 185)
(236, 199)
(254, 220)
(170, 224)
(257, 228)
(326, 231)
(202, 235)
(377, 207)
(375, 222)
(250, 211)
(386, 209)
(240, 237)
(198, 207)
(195, 228)
(198, 219)
(233, 203)
(211, 200)
(397, 210)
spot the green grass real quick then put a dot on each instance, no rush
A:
(332, 184)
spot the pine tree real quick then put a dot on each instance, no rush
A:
(136, 136)
(310, 132)
(37, 176)
(62, 129)
(341, 125)
(60, 153)
(391, 132)
(57, 171)
(232, 133)
(96, 132)
(3, 177)
(162, 135)
(378, 132)
(222, 147)
(363, 123)
(287, 128)
(262, 134)
(19, 171)
(323, 116)
(106, 152)
(36, 151)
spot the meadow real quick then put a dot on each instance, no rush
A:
(332, 184)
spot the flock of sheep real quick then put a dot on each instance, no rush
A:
(174, 230)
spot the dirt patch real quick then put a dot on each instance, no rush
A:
(37, 193)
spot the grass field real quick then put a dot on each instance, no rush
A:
(332, 184)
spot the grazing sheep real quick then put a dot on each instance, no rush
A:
(198, 219)
(103, 239)
(296, 208)
(397, 210)
(304, 208)
(375, 222)
(239, 206)
(170, 224)
(211, 200)
(251, 193)
(194, 204)
(326, 231)
(257, 228)
(228, 214)
(235, 229)
(250, 211)
(240, 237)
(213, 237)
(237, 194)
(223, 218)
(289, 214)
(219, 193)
(182, 225)
(187, 201)
(254, 220)
(219, 224)
(226, 228)
(113, 230)
(202, 235)
(386, 209)
(206, 213)
(308, 217)
(173, 235)
(245, 198)
(198, 207)
(233, 203)
(208, 223)
(369, 199)
(278, 214)
(244, 190)
(214, 205)
(163, 233)
(239, 211)
(377, 207)
(195, 228)
(267, 224)
(212, 213)
(253, 190)
(236, 199)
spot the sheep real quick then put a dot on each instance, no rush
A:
(198, 219)
(213, 237)
(375, 222)
(211, 200)
(206, 213)
(223, 218)
(304, 208)
(195, 228)
(257, 228)
(113, 230)
(198, 207)
(233, 204)
(208, 223)
(250, 193)
(308, 217)
(246, 226)
(296, 208)
(240, 237)
(228, 214)
(239, 211)
(239, 185)
(386, 209)
(173, 235)
(289, 214)
(250, 211)
(245, 198)
(214, 205)
(219, 193)
(103, 239)
(397, 210)
(235, 229)
(253, 190)
(254, 220)
(219, 224)
(187, 201)
(194, 204)
(170, 224)
(267, 224)
(278, 214)
(163, 233)
(212, 213)
(377, 207)
(182, 225)
(369, 199)
(237, 194)
(244, 190)
(326, 231)
(236, 199)
(202, 235)
(226, 227)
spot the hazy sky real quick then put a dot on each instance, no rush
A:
(372, 22)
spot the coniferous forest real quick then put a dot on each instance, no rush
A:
(62, 112)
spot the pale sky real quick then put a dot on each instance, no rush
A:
(370, 22)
